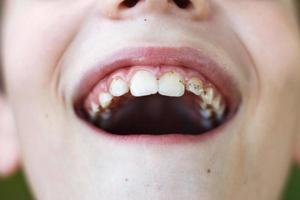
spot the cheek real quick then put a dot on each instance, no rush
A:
(271, 37)
(35, 36)
(275, 48)
(270, 34)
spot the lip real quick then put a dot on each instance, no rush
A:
(153, 56)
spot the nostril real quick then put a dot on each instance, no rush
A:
(129, 3)
(183, 4)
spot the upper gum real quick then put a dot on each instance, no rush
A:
(127, 73)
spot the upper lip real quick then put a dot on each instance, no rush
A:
(155, 56)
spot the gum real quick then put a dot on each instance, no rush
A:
(127, 73)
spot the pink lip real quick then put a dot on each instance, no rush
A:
(184, 57)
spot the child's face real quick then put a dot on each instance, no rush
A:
(54, 50)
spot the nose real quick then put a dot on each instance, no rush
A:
(120, 9)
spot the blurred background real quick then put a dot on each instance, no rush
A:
(15, 188)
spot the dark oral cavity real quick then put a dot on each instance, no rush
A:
(157, 101)
(156, 115)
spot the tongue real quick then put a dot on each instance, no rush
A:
(157, 115)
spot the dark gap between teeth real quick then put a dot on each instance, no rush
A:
(156, 115)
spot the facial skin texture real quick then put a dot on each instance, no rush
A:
(48, 44)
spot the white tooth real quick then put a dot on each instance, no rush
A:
(216, 103)
(220, 111)
(171, 84)
(93, 111)
(118, 87)
(105, 99)
(206, 113)
(208, 95)
(143, 83)
(195, 86)
(94, 107)
(207, 123)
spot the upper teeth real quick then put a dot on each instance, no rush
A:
(144, 83)
(95, 107)
(216, 103)
(105, 99)
(171, 84)
(195, 86)
(118, 87)
(208, 95)
(94, 110)
(207, 113)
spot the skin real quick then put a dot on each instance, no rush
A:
(46, 43)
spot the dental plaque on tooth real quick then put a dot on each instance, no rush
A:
(156, 101)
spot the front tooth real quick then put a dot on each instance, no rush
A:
(171, 84)
(105, 99)
(195, 86)
(118, 87)
(208, 95)
(143, 83)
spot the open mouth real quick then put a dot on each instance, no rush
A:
(160, 92)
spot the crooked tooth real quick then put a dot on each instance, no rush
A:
(143, 83)
(195, 86)
(105, 99)
(208, 95)
(171, 84)
(118, 87)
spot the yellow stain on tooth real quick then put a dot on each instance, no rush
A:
(208, 95)
(195, 86)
